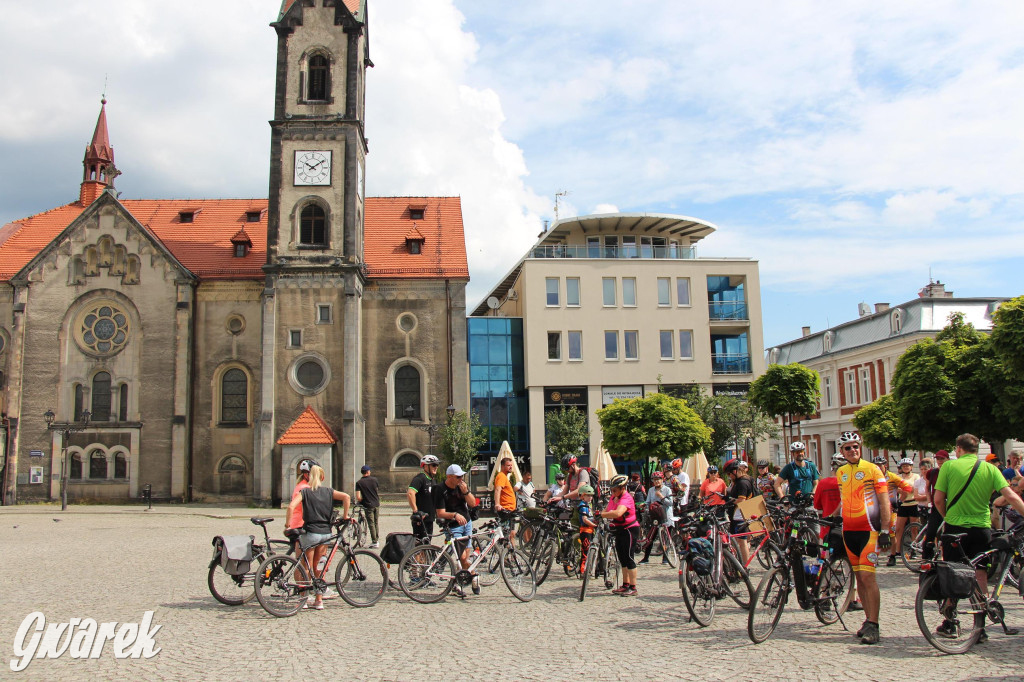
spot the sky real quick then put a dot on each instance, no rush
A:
(853, 149)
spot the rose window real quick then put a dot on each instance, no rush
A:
(103, 329)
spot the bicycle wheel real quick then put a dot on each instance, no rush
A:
(573, 555)
(768, 602)
(543, 557)
(489, 571)
(233, 590)
(769, 555)
(517, 574)
(668, 546)
(350, 534)
(736, 581)
(611, 570)
(834, 591)
(364, 531)
(426, 574)
(591, 568)
(281, 585)
(698, 595)
(910, 547)
(361, 578)
(952, 626)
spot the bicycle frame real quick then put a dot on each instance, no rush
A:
(495, 534)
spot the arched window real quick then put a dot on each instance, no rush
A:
(313, 225)
(318, 78)
(826, 341)
(896, 321)
(122, 398)
(97, 465)
(101, 398)
(406, 460)
(234, 397)
(407, 393)
(75, 472)
(231, 473)
(120, 465)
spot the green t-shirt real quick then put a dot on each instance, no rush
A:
(971, 511)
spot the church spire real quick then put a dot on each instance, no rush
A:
(99, 161)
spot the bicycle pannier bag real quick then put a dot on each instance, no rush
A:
(235, 553)
(956, 581)
(396, 546)
(702, 555)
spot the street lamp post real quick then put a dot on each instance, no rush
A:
(64, 430)
(431, 428)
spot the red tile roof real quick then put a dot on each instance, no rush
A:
(444, 241)
(204, 246)
(308, 429)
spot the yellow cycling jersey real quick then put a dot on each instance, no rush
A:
(860, 487)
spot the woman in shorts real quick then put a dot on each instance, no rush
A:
(621, 511)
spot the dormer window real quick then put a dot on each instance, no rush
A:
(253, 216)
(241, 250)
(416, 213)
(186, 216)
(414, 240)
(242, 243)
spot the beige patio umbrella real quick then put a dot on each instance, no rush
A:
(503, 452)
(604, 464)
(696, 467)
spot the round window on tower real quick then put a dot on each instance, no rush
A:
(235, 324)
(102, 329)
(309, 374)
(406, 322)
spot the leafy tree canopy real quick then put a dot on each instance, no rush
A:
(657, 425)
(731, 419)
(1008, 334)
(460, 439)
(786, 390)
(566, 430)
(879, 425)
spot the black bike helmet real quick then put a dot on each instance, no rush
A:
(568, 461)
(731, 466)
(763, 463)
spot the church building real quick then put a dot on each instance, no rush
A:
(203, 347)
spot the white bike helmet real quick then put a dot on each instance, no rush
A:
(429, 459)
(838, 460)
(906, 460)
(796, 446)
(847, 437)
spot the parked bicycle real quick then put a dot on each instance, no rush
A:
(238, 587)
(602, 562)
(553, 539)
(707, 573)
(822, 582)
(428, 572)
(951, 607)
(283, 582)
(357, 532)
(912, 549)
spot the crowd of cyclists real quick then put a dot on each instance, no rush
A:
(869, 507)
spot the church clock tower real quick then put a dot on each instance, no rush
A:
(312, 304)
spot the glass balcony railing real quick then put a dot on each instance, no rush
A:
(727, 310)
(730, 363)
(643, 251)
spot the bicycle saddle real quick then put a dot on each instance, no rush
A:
(953, 537)
(261, 520)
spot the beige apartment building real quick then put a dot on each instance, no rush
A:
(856, 360)
(613, 304)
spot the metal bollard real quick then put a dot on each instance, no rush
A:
(147, 494)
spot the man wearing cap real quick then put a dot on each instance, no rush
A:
(801, 474)
(368, 496)
(453, 500)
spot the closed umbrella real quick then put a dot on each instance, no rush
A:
(503, 452)
(696, 467)
(604, 464)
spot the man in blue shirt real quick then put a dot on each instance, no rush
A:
(801, 474)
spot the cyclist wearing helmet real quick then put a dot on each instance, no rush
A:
(622, 512)
(742, 488)
(712, 490)
(801, 474)
(765, 481)
(554, 492)
(907, 505)
(659, 506)
(680, 482)
(866, 515)
(575, 477)
(421, 497)
(826, 496)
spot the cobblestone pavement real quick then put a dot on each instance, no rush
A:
(115, 563)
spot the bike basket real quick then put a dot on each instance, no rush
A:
(702, 555)
(396, 546)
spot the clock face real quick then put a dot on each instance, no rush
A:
(312, 168)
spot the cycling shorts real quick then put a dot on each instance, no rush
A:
(860, 547)
(907, 511)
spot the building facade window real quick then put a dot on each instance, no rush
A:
(629, 247)
(629, 292)
(103, 329)
(664, 291)
(608, 291)
(406, 460)
(75, 469)
(611, 345)
(407, 393)
(685, 344)
(572, 292)
(865, 385)
(665, 343)
(575, 345)
(826, 341)
(234, 397)
(98, 465)
(593, 247)
(295, 338)
(313, 225)
(551, 288)
(851, 387)
(682, 291)
(120, 465)
(826, 389)
(319, 80)
(79, 402)
(896, 321)
(554, 345)
(324, 313)
(631, 344)
(101, 397)
(122, 403)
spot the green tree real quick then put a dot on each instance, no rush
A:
(1008, 334)
(566, 431)
(879, 425)
(731, 420)
(460, 439)
(786, 391)
(657, 425)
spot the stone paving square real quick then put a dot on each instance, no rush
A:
(114, 563)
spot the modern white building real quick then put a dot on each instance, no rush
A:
(856, 359)
(611, 304)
